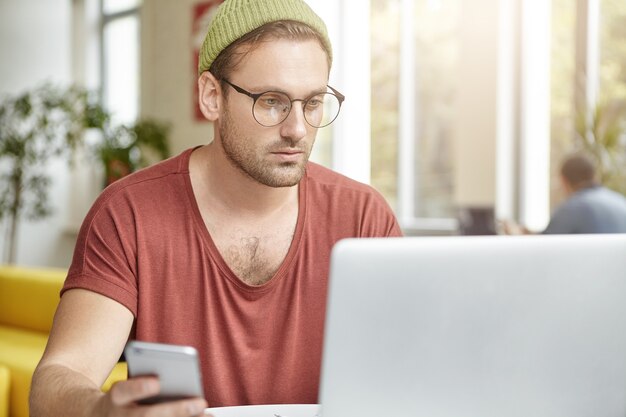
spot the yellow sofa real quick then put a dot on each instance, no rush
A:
(28, 300)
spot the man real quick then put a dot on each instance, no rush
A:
(589, 207)
(225, 247)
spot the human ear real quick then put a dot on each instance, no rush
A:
(566, 185)
(209, 95)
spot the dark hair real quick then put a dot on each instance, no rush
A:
(579, 171)
(232, 55)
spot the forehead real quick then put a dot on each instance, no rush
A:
(294, 66)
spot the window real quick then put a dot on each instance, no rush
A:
(414, 58)
(120, 58)
(588, 75)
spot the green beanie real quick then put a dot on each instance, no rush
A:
(236, 18)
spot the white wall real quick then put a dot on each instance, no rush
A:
(34, 47)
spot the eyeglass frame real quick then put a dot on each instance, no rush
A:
(255, 96)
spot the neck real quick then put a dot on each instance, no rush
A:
(583, 185)
(228, 188)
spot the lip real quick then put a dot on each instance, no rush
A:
(288, 155)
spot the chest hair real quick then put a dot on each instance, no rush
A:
(254, 257)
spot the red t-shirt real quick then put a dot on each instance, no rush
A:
(145, 245)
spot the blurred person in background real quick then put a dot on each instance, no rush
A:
(588, 207)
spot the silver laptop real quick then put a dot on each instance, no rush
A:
(493, 326)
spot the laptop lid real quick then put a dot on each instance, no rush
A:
(476, 326)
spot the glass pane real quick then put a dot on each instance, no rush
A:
(385, 49)
(613, 50)
(116, 6)
(435, 41)
(562, 87)
(612, 94)
(121, 68)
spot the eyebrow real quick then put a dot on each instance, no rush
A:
(280, 90)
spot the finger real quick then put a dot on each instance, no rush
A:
(181, 408)
(134, 389)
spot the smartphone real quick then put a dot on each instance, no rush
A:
(176, 366)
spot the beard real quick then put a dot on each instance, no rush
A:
(245, 155)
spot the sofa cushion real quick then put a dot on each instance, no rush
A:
(119, 373)
(4, 391)
(20, 351)
(29, 296)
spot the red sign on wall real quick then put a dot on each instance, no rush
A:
(202, 14)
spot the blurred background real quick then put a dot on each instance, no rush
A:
(458, 111)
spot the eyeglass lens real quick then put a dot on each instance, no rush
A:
(272, 108)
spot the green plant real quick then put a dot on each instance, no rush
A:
(35, 126)
(602, 134)
(125, 149)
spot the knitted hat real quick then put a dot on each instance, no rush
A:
(236, 18)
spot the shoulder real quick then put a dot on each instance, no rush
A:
(342, 201)
(576, 206)
(614, 195)
(594, 197)
(331, 182)
(144, 191)
(148, 185)
(161, 171)
(328, 187)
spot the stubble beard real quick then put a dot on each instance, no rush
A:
(247, 159)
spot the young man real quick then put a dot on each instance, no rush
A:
(589, 207)
(226, 247)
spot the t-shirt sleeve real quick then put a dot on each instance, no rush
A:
(105, 256)
(380, 220)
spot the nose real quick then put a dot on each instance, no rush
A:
(294, 127)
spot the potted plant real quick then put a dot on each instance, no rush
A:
(35, 126)
(602, 134)
(125, 149)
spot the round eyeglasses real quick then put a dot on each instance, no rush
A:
(271, 108)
